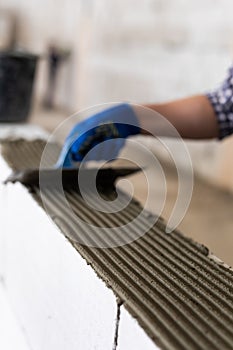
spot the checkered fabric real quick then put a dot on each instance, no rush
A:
(222, 102)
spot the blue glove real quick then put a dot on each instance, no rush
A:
(116, 123)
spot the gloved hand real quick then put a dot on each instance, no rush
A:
(116, 123)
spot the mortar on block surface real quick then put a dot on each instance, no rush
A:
(180, 297)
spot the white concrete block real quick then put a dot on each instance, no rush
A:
(4, 173)
(57, 297)
(131, 335)
(11, 336)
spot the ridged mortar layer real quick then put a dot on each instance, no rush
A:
(181, 297)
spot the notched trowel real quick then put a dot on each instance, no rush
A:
(66, 173)
(48, 178)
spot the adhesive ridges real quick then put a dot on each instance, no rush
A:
(181, 297)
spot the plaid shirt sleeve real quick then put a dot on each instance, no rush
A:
(222, 101)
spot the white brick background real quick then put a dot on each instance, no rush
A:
(140, 51)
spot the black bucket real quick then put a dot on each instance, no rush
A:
(17, 72)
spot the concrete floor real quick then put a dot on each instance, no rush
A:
(209, 219)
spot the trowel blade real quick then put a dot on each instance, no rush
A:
(50, 177)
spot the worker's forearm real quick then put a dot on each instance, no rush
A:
(192, 117)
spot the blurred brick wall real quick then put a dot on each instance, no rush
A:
(158, 49)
